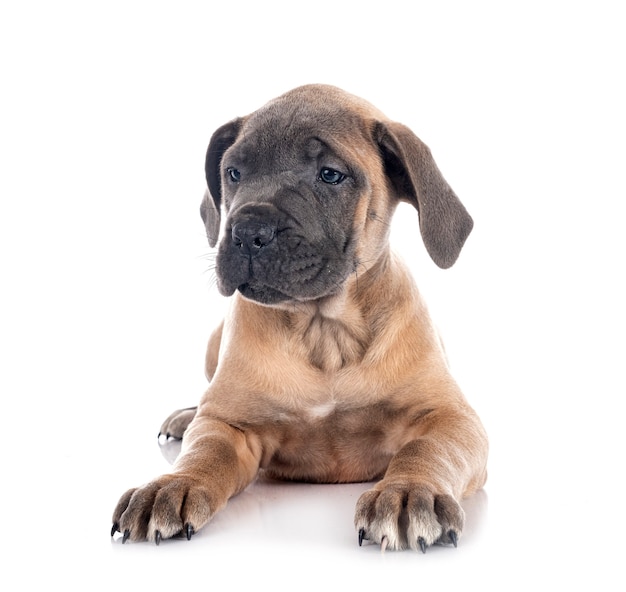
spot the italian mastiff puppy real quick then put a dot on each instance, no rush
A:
(327, 367)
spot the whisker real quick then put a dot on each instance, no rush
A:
(210, 270)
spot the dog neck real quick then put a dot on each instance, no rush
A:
(334, 332)
(337, 331)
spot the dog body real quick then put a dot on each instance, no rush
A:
(327, 367)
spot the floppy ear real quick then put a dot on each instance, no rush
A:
(210, 210)
(444, 221)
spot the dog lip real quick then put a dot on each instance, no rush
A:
(262, 295)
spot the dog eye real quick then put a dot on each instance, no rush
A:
(234, 174)
(331, 176)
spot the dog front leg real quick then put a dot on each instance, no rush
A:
(416, 504)
(217, 461)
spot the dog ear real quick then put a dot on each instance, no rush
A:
(444, 221)
(210, 208)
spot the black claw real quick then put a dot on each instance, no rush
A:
(189, 531)
(114, 528)
(422, 543)
(126, 536)
(157, 537)
(361, 536)
(453, 537)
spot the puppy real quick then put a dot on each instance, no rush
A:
(327, 367)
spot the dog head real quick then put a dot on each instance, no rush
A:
(308, 184)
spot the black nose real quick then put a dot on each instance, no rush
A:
(251, 236)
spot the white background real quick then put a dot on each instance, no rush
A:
(107, 294)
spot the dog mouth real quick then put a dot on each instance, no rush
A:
(274, 282)
(272, 291)
(262, 294)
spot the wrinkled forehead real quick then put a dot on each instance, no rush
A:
(284, 128)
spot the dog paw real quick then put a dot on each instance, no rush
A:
(408, 516)
(176, 424)
(168, 506)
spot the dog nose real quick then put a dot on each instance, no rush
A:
(252, 236)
